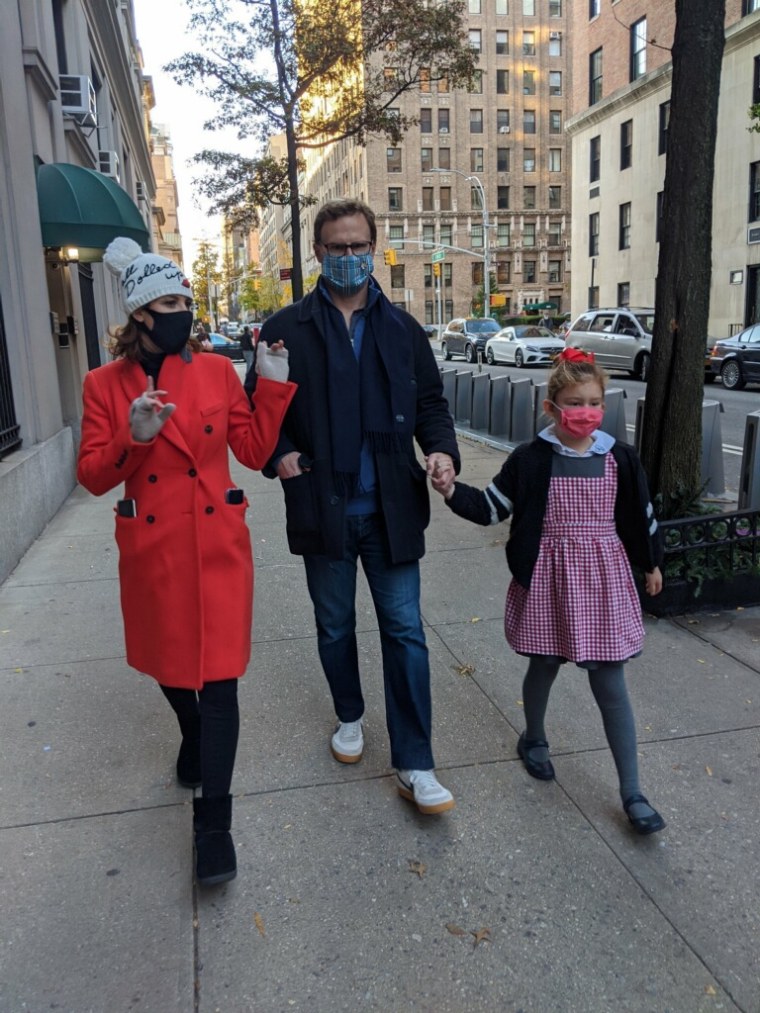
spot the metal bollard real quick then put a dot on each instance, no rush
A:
(614, 414)
(481, 400)
(521, 416)
(463, 399)
(501, 405)
(749, 475)
(712, 477)
(449, 381)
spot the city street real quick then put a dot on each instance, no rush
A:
(737, 404)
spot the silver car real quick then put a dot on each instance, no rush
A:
(524, 345)
(619, 338)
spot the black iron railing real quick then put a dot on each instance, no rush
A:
(712, 546)
(9, 427)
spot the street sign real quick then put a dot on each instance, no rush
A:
(285, 273)
(437, 255)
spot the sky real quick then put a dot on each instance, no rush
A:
(161, 31)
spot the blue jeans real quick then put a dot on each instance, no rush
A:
(395, 590)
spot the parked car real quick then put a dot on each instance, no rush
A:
(226, 346)
(465, 335)
(736, 360)
(431, 330)
(619, 338)
(524, 345)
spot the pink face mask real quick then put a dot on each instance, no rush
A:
(579, 421)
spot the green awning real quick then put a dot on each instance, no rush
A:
(542, 306)
(83, 208)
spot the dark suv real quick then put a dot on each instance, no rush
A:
(465, 335)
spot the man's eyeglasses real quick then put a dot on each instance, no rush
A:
(341, 249)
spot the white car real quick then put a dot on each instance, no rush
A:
(523, 345)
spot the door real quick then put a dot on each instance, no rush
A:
(89, 317)
(752, 309)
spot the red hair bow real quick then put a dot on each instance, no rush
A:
(576, 355)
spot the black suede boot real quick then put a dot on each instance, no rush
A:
(214, 850)
(189, 762)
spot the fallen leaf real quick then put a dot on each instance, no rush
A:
(464, 669)
(709, 990)
(455, 930)
(475, 619)
(259, 921)
(481, 936)
(708, 771)
(418, 867)
(701, 661)
(693, 622)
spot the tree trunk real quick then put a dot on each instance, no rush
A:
(672, 429)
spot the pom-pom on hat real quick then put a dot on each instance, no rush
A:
(143, 276)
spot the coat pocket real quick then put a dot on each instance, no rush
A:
(301, 509)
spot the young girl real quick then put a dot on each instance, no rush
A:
(580, 511)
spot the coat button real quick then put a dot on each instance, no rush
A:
(399, 418)
(208, 429)
(150, 519)
(334, 500)
(192, 473)
(209, 509)
(152, 478)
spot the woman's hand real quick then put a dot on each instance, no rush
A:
(147, 413)
(654, 581)
(272, 362)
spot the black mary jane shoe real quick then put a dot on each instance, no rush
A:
(543, 769)
(644, 824)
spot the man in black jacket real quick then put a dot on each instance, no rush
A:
(368, 387)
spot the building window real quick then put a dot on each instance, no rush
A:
(555, 198)
(595, 158)
(638, 49)
(502, 82)
(476, 202)
(555, 8)
(476, 237)
(443, 121)
(503, 234)
(502, 121)
(555, 121)
(475, 39)
(754, 192)
(502, 198)
(428, 237)
(396, 237)
(424, 79)
(427, 199)
(476, 86)
(445, 198)
(529, 44)
(446, 236)
(502, 159)
(555, 44)
(593, 234)
(397, 276)
(662, 139)
(555, 82)
(555, 233)
(502, 272)
(658, 215)
(593, 297)
(555, 271)
(393, 159)
(448, 304)
(502, 7)
(476, 159)
(624, 232)
(429, 318)
(426, 121)
(529, 8)
(426, 159)
(529, 271)
(595, 76)
(395, 198)
(476, 121)
(477, 273)
(529, 234)
(529, 159)
(529, 121)
(529, 82)
(555, 159)
(624, 293)
(502, 43)
(474, 7)
(444, 158)
(756, 81)
(626, 144)
(748, 6)
(529, 198)
(443, 84)
(594, 7)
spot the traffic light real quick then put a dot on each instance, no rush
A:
(437, 270)
(390, 258)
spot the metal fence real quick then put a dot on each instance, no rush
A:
(9, 427)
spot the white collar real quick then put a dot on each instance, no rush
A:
(603, 442)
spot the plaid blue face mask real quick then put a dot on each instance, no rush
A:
(348, 274)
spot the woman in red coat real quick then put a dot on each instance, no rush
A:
(185, 563)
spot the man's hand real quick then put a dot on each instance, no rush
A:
(147, 413)
(288, 466)
(272, 363)
(440, 468)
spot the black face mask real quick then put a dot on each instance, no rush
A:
(170, 331)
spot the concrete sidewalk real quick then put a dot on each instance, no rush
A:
(346, 898)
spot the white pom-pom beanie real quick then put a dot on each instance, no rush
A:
(143, 276)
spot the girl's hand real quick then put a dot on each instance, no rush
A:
(654, 581)
(443, 481)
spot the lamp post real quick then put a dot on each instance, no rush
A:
(475, 180)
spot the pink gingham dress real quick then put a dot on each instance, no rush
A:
(582, 604)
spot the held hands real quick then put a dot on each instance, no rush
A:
(440, 468)
(653, 581)
(147, 414)
(272, 363)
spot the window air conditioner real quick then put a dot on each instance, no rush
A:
(78, 98)
(108, 162)
(555, 36)
(503, 130)
(443, 130)
(141, 190)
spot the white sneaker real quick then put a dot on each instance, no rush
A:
(422, 788)
(347, 744)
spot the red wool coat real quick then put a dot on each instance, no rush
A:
(185, 563)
